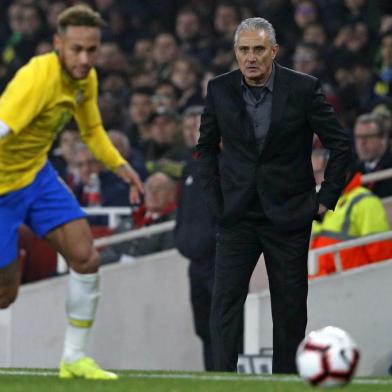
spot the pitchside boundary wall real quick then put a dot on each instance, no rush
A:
(144, 319)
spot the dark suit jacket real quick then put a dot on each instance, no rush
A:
(380, 188)
(281, 174)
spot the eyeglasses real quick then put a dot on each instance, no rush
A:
(367, 136)
(90, 162)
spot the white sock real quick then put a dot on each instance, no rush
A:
(81, 304)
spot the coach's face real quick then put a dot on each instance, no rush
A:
(255, 53)
(78, 48)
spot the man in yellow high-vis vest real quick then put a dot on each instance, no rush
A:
(358, 213)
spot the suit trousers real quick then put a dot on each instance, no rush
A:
(201, 279)
(239, 247)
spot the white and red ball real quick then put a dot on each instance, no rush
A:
(327, 357)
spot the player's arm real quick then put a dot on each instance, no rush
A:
(94, 135)
(102, 148)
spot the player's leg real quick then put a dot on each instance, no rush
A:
(10, 276)
(13, 208)
(56, 216)
(74, 242)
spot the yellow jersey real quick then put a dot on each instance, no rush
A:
(36, 105)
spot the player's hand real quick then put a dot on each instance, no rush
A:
(128, 174)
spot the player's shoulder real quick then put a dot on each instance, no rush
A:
(43, 67)
(47, 61)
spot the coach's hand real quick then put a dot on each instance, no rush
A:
(320, 213)
(128, 174)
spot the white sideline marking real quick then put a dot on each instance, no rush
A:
(53, 373)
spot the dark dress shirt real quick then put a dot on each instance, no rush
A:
(258, 103)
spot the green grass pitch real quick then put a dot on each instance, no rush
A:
(45, 380)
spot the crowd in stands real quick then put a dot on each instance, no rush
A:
(157, 57)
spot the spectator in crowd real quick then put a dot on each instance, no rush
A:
(352, 40)
(189, 32)
(384, 86)
(110, 106)
(159, 206)
(130, 154)
(226, 18)
(115, 84)
(363, 84)
(373, 151)
(305, 13)
(166, 96)
(364, 10)
(358, 213)
(43, 47)
(195, 236)
(62, 157)
(384, 110)
(306, 59)
(164, 50)
(185, 75)
(208, 75)
(88, 188)
(55, 8)
(140, 110)
(98, 186)
(142, 51)
(111, 59)
(314, 34)
(29, 28)
(164, 151)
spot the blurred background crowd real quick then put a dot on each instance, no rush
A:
(157, 57)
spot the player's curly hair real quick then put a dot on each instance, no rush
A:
(79, 15)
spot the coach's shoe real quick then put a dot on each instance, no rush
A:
(85, 368)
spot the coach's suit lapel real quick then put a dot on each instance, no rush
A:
(279, 98)
(244, 123)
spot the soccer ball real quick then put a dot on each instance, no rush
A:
(327, 357)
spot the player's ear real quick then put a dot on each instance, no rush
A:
(57, 42)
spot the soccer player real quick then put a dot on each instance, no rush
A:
(36, 104)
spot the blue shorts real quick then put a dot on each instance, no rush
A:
(43, 205)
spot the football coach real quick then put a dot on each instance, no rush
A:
(260, 186)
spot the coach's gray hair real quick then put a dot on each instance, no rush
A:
(256, 24)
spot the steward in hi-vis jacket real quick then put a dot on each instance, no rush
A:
(358, 213)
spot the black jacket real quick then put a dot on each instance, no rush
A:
(281, 174)
(380, 188)
(195, 227)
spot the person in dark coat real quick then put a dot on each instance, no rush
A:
(261, 188)
(373, 151)
(195, 237)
